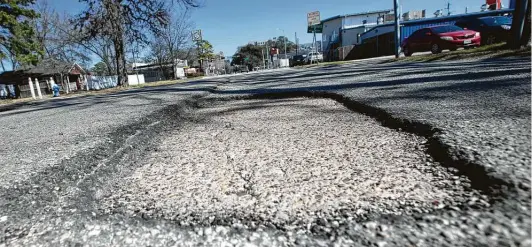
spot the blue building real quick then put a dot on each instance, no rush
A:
(379, 40)
(408, 27)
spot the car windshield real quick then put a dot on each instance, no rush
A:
(497, 21)
(446, 29)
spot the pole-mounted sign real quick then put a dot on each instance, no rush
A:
(196, 35)
(313, 18)
(313, 21)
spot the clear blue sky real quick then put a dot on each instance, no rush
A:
(230, 23)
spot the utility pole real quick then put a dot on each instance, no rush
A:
(267, 57)
(521, 11)
(397, 29)
(448, 8)
(297, 42)
(263, 60)
(285, 39)
(135, 63)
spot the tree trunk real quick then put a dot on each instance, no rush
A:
(115, 9)
(518, 23)
(525, 39)
(109, 68)
(121, 62)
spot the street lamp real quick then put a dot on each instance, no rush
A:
(284, 41)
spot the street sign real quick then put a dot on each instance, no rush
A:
(313, 18)
(319, 28)
(196, 35)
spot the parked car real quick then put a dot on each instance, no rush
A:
(241, 69)
(314, 56)
(492, 28)
(298, 60)
(438, 38)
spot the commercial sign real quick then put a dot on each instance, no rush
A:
(389, 18)
(494, 4)
(196, 35)
(318, 28)
(313, 18)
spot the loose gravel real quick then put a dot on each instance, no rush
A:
(286, 163)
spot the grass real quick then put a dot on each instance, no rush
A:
(165, 83)
(324, 64)
(100, 92)
(488, 51)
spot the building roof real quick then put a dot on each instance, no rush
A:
(44, 68)
(357, 14)
(53, 67)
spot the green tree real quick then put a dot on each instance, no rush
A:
(205, 51)
(17, 39)
(279, 43)
(248, 55)
(100, 68)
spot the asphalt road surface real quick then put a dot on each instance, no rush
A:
(361, 154)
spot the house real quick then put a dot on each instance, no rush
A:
(344, 30)
(160, 71)
(37, 80)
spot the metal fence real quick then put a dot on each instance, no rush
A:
(101, 82)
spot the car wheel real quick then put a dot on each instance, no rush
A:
(490, 40)
(407, 51)
(435, 48)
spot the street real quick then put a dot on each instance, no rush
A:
(368, 153)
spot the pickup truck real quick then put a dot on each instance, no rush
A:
(314, 57)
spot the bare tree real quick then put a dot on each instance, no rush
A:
(56, 37)
(121, 19)
(61, 41)
(172, 43)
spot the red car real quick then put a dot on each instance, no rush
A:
(438, 38)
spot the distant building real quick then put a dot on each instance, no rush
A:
(344, 30)
(68, 75)
(379, 40)
(413, 15)
(157, 72)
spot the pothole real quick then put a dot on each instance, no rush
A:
(286, 161)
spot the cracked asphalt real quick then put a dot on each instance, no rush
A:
(361, 154)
